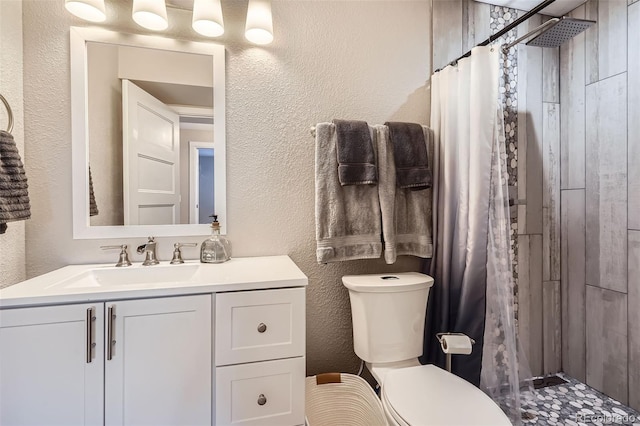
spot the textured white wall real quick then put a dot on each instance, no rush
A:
(12, 243)
(364, 60)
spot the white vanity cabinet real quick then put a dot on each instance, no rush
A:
(260, 363)
(190, 344)
(55, 369)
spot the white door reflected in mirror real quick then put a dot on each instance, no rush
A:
(151, 164)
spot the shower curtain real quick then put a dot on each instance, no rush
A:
(473, 291)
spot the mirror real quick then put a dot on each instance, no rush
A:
(148, 130)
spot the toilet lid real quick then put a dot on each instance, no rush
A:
(428, 395)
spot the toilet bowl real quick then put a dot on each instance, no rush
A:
(388, 312)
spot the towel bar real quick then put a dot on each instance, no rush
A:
(9, 113)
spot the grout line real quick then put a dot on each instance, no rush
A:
(608, 289)
(627, 175)
(607, 78)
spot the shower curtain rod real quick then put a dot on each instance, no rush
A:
(503, 31)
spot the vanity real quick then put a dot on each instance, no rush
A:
(189, 344)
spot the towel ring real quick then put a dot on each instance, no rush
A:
(9, 113)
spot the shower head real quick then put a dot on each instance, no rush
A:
(556, 34)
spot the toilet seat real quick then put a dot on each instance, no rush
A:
(428, 395)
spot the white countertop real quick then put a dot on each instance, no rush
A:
(84, 283)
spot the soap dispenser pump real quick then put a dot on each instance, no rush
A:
(217, 248)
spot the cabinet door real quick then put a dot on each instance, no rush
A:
(159, 371)
(49, 372)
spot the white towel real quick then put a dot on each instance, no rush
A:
(348, 223)
(406, 214)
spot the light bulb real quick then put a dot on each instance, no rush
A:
(89, 10)
(150, 14)
(259, 28)
(207, 18)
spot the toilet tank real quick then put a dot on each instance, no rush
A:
(388, 312)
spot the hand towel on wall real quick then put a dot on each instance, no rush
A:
(14, 196)
(348, 224)
(410, 155)
(406, 213)
(356, 159)
(93, 207)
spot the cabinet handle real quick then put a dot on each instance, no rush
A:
(262, 327)
(262, 399)
(111, 316)
(90, 344)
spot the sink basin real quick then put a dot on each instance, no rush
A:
(130, 276)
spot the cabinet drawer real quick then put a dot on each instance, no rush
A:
(259, 325)
(261, 394)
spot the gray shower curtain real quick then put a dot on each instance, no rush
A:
(473, 291)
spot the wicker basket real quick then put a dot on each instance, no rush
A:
(342, 399)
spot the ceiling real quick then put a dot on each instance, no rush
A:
(558, 8)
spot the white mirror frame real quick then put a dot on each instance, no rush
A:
(79, 36)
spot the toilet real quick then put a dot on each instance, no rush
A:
(388, 313)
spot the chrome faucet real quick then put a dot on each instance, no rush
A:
(149, 249)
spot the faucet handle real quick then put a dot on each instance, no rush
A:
(123, 260)
(177, 254)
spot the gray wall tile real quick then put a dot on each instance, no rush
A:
(633, 144)
(530, 300)
(634, 319)
(532, 116)
(573, 283)
(447, 24)
(551, 327)
(607, 342)
(477, 17)
(550, 74)
(591, 40)
(606, 183)
(612, 38)
(572, 100)
(551, 192)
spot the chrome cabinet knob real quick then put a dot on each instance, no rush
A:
(262, 327)
(262, 399)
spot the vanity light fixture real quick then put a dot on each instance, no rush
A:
(259, 28)
(150, 14)
(207, 18)
(89, 10)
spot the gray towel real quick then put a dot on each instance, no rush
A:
(14, 197)
(348, 223)
(410, 155)
(356, 159)
(406, 214)
(93, 207)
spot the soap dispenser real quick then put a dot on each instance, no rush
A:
(217, 248)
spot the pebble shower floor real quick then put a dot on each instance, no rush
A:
(575, 404)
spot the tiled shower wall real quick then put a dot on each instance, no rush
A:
(600, 198)
(578, 180)
(531, 96)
